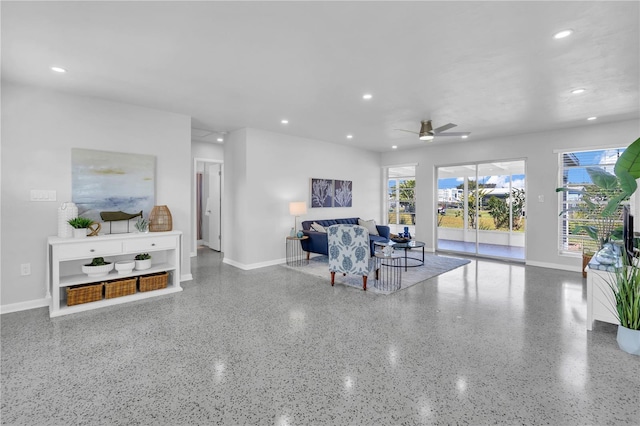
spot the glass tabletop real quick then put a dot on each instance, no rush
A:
(408, 244)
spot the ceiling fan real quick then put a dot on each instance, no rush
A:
(427, 132)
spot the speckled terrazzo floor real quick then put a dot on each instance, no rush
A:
(487, 343)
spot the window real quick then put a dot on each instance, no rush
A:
(401, 198)
(575, 177)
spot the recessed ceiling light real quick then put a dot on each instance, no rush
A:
(367, 96)
(592, 118)
(58, 69)
(284, 121)
(562, 34)
(220, 140)
(394, 147)
(465, 136)
(349, 136)
(578, 91)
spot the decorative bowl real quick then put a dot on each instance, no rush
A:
(125, 266)
(97, 271)
(400, 239)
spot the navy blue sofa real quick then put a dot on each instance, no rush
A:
(317, 242)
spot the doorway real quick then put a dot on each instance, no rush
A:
(207, 220)
(481, 209)
(401, 199)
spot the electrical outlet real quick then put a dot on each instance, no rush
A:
(25, 269)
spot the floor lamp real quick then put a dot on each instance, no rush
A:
(296, 208)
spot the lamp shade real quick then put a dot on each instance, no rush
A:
(297, 208)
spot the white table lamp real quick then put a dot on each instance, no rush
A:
(297, 208)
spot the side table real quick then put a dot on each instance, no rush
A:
(295, 255)
(388, 271)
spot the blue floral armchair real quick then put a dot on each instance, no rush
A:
(349, 251)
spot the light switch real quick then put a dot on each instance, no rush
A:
(541, 198)
(43, 195)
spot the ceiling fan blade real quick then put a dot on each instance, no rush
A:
(410, 131)
(458, 134)
(443, 128)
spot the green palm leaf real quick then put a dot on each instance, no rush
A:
(629, 160)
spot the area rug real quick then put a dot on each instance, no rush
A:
(434, 265)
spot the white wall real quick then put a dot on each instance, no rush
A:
(264, 171)
(39, 128)
(206, 150)
(541, 178)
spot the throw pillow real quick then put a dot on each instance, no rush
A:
(370, 225)
(317, 227)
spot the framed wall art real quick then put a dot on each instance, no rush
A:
(321, 192)
(112, 181)
(331, 193)
(342, 193)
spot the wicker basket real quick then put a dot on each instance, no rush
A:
(119, 288)
(84, 294)
(153, 281)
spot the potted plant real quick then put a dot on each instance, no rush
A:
(142, 225)
(98, 267)
(80, 225)
(143, 261)
(625, 286)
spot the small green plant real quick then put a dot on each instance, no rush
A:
(625, 286)
(98, 261)
(80, 222)
(142, 256)
(142, 225)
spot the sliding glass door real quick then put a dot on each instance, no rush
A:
(481, 209)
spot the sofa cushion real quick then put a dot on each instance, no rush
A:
(378, 238)
(317, 227)
(370, 225)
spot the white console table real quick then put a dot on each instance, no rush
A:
(600, 299)
(65, 257)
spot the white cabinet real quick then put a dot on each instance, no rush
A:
(600, 299)
(66, 256)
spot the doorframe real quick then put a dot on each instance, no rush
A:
(477, 230)
(194, 213)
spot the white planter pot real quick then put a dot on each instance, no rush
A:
(141, 265)
(629, 340)
(125, 267)
(79, 232)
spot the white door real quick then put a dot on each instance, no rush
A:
(213, 205)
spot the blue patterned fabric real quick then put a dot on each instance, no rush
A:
(348, 249)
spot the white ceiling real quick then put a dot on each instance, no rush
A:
(491, 67)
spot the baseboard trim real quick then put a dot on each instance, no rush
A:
(186, 277)
(251, 266)
(23, 306)
(567, 268)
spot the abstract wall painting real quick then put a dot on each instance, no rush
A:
(331, 193)
(112, 181)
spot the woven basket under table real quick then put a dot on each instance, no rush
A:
(153, 281)
(79, 294)
(119, 288)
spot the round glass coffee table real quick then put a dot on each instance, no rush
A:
(408, 261)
